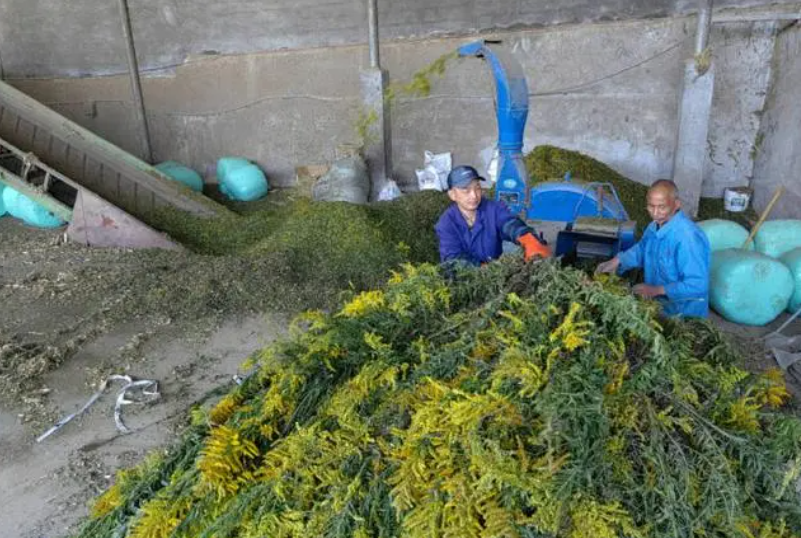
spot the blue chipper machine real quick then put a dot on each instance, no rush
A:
(596, 223)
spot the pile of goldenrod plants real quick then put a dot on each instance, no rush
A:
(516, 400)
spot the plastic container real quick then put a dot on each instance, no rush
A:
(748, 287)
(724, 234)
(792, 260)
(736, 199)
(25, 209)
(241, 180)
(182, 174)
(776, 237)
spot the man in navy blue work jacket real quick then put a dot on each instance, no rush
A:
(472, 230)
(674, 254)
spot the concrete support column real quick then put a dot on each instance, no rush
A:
(377, 143)
(694, 114)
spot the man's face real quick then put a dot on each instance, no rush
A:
(662, 205)
(467, 198)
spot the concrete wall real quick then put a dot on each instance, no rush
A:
(779, 144)
(83, 37)
(610, 90)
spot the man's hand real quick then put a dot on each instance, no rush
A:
(609, 266)
(532, 247)
(648, 292)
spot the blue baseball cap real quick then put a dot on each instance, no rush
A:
(461, 176)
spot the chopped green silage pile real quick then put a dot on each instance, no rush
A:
(518, 401)
(549, 163)
(285, 250)
(319, 247)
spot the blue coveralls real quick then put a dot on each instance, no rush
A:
(484, 241)
(675, 256)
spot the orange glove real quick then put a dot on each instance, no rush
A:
(532, 247)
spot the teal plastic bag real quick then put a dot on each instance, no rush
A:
(241, 180)
(748, 287)
(776, 237)
(792, 260)
(28, 211)
(182, 174)
(2, 204)
(228, 164)
(723, 234)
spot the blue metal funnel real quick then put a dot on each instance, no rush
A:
(512, 112)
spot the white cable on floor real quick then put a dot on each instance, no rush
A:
(149, 388)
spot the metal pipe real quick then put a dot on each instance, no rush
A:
(136, 84)
(704, 22)
(372, 22)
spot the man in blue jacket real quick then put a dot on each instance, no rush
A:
(674, 254)
(472, 230)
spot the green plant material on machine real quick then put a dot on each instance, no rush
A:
(549, 163)
(518, 400)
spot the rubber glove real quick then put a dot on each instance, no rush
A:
(533, 247)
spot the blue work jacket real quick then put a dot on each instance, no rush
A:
(675, 256)
(484, 241)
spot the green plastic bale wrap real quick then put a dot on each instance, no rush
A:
(28, 211)
(182, 174)
(792, 260)
(724, 234)
(2, 204)
(241, 180)
(777, 237)
(748, 287)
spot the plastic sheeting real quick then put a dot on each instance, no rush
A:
(724, 234)
(748, 287)
(792, 260)
(241, 180)
(182, 174)
(776, 237)
(30, 212)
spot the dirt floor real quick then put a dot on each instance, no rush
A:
(63, 329)
(71, 316)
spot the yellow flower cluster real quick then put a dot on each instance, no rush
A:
(224, 409)
(362, 304)
(225, 461)
(772, 391)
(589, 518)
(159, 518)
(570, 333)
(108, 502)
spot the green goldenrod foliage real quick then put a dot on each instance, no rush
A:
(515, 401)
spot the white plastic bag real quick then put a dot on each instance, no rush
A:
(428, 180)
(390, 191)
(492, 168)
(434, 175)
